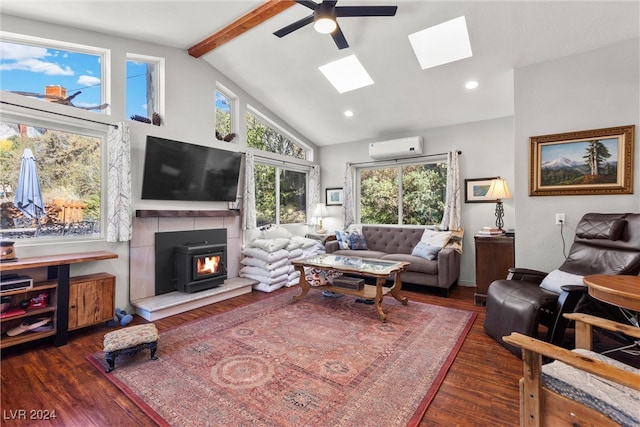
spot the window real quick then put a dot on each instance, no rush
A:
(403, 194)
(69, 167)
(63, 73)
(223, 115)
(281, 195)
(265, 137)
(281, 192)
(144, 87)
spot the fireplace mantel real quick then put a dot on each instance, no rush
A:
(185, 213)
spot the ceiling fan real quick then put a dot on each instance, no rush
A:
(325, 14)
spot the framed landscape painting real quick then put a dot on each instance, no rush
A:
(598, 161)
(475, 190)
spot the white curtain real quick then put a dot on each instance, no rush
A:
(313, 191)
(451, 217)
(348, 199)
(249, 195)
(119, 184)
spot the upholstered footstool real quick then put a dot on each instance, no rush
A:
(130, 341)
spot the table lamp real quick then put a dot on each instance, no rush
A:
(319, 212)
(498, 190)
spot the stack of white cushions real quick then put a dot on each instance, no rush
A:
(267, 259)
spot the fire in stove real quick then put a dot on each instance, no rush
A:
(207, 265)
(200, 266)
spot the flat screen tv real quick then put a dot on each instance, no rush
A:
(176, 170)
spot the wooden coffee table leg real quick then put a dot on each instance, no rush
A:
(378, 299)
(303, 284)
(397, 287)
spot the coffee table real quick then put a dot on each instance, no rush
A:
(368, 267)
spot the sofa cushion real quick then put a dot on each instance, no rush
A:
(418, 264)
(360, 253)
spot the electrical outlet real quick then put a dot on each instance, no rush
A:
(559, 219)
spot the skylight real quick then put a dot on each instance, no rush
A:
(442, 43)
(346, 74)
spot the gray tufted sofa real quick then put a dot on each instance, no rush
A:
(396, 243)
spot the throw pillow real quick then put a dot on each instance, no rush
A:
(357, 241)
(343, 239)
(435, 238)
(557, 278)
(426, 251)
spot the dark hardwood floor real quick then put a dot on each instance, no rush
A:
(480, 389)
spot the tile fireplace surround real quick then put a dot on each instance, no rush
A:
(142, 245)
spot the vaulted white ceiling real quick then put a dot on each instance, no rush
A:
(283, 74)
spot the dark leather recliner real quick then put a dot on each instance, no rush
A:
(604, 244)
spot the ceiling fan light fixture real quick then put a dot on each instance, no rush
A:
(325, 24)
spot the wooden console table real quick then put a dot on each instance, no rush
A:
(58, 267)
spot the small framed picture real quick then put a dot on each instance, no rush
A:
(334, 196)
(476, 189)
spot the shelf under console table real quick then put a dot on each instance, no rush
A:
(58, 268)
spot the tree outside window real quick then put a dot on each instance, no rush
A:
(143, 87)
(405, 194)
(223, 115)
(281, 193)
(69, 170)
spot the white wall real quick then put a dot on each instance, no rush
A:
(189, 116)
(592, 90)
(487, 150)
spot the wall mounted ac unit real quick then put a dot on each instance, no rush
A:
(396, 148)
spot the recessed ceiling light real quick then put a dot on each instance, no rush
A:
(348, 113)
(442, 43)
(346, 74)
(472, 84)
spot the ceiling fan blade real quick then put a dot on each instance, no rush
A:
(366, 10)
(308, 3)
(295, 26)
(338, 37)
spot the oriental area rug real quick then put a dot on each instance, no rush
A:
(316, 362)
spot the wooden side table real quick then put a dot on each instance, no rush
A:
(495, 255)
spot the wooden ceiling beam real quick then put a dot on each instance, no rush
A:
(246, 22)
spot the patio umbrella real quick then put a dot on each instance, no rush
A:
(28, 195)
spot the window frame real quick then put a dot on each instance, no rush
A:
(270, 123)
(234, 110)
(103, 53)
(44, 119)
(159, 103)
(278, 165)
(399, 164)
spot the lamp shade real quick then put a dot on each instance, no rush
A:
(320, 211)
(498, 189)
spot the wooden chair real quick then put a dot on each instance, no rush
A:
(541, 406)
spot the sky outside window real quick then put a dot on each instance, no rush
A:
(28, 68)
